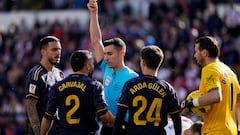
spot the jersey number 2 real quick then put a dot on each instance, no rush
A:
(153, 113)
(69, 114)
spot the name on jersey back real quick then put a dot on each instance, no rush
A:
(152, 86)
(75, 84)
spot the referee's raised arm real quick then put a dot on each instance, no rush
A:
(95, 31)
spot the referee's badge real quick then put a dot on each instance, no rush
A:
(32, 88)
(108, 80)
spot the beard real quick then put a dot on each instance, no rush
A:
(198, 62)
(54, 62)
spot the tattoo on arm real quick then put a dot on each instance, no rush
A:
(33, 115)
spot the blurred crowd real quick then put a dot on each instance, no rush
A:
(172, 26)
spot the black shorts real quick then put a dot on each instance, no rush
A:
(108, 130)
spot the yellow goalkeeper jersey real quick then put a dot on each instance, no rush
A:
(220, 119)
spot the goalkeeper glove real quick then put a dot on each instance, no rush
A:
(187, 104)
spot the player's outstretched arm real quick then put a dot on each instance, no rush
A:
(95, 31)
(45, 126)
(33, 115)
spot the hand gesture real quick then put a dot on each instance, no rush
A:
(92, 6)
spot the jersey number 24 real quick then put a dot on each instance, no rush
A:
(153, 113)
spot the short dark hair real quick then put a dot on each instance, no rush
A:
(196, 127)
(118, 43)
(79, 58)
(210, 44)
(153, 56)
(45, 40)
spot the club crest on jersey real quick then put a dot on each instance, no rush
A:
(32, 88)
(108, 80)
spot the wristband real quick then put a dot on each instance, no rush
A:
(195, 102)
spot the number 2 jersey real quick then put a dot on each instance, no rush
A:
(78, 99)
(149, 101)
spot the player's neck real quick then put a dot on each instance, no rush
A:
(81, 73)
(149, 72)
(211, 60)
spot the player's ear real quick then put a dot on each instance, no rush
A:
(143, 62)
(205, 52)
(42, 52)
(122, 52)
(88, 66)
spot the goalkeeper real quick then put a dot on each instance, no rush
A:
(220, 87)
